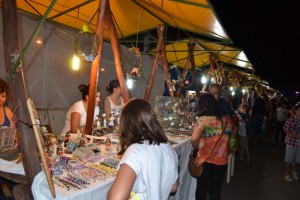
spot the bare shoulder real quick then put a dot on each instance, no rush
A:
(8, 111)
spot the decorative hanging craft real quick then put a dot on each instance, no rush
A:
(85, 44)
(133, 63)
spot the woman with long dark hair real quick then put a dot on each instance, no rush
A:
(148, 168)
(210, 145)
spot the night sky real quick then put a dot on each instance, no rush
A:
(269, 32)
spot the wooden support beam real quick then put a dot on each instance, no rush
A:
(181, 76)
(191, 48)
(116, 51)
(103, 4)
(160, 53)
(19, 91)
(212, 62)
(164, 61)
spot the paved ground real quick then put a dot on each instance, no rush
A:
(264, 179)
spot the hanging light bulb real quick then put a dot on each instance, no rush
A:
(75, 62)
(232, 93)
(243, 90)
(129, 83)
(203, 80)
(231, 88)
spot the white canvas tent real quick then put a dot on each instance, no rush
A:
(52, 84)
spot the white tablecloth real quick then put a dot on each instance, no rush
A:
(40, 190)
(11, 167)
(187, 187)
(186, 190)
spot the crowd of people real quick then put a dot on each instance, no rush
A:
(143, 142)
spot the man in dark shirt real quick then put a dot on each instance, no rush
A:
(224, 106)
(258, 112)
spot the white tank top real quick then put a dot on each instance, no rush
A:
(116, 109)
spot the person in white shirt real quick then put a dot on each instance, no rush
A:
(149, 165)
(76, 116)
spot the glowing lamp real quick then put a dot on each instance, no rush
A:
(75, 62)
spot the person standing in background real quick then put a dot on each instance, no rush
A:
(292, 149)
(149, 165)
(281, 115)
(224, 106)
(211, 147)
(76, 116)
(243, 116)
(258, 113)
(113, 103)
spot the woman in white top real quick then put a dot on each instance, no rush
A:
(76, 116)
(149, 166)
(113, 103)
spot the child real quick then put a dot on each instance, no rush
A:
(243, 126)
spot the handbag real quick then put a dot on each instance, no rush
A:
(9, 154)
(197, 170)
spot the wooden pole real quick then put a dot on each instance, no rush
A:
(191, 47)
(212, 68)
(116, 51)
(28, 145)
(182, 75)
(160, 32)
(95, 68)
(164, 61)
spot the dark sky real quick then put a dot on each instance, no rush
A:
(269, 33)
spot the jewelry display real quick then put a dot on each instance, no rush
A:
(73, 173)
(175, 114)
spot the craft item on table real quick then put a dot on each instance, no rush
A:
(98, 124)
(59, 149)
(108, 170)
(83, 152)
(104, 120)
(54, 150)
(58, 167)
(93, 147)
(81, 143)
(111, 119)
(118, 119)
(111, 162)
(107, 143)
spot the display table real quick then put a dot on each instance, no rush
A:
(11, 167)
(13, 171)
(99, 189)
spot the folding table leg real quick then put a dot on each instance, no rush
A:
(232, 164)
(229, 168)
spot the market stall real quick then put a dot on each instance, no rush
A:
(101, 176)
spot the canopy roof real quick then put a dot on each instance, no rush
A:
(189, 21)
(177, 53)
(134, 16)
